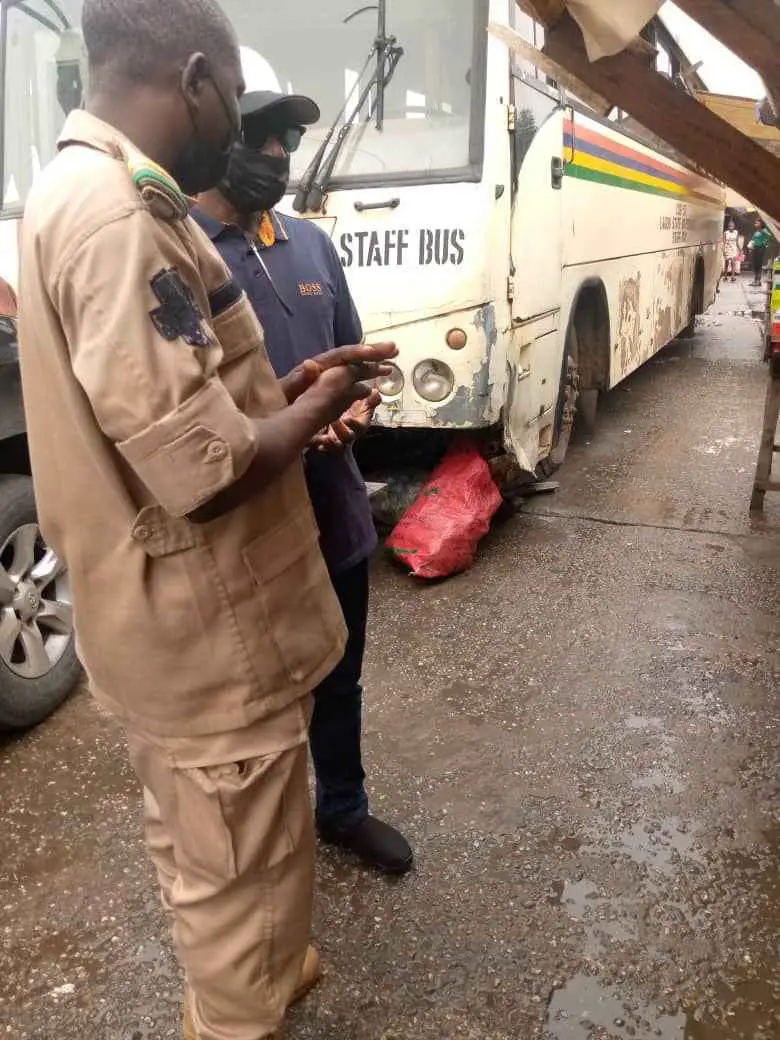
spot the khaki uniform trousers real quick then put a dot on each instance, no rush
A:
(229, 829)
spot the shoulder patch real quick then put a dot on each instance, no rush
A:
(158, 189)
(178, 316)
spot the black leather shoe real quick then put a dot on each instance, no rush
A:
(377, 844)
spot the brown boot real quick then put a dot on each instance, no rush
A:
(311, 972)
(188, 1030)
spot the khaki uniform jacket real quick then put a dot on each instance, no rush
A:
(143, 368)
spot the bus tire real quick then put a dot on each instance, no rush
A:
(697, 302)
(566, 408)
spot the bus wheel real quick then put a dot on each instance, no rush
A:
(566, 410)
(697, 303)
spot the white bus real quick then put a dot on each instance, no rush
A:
(524, 254)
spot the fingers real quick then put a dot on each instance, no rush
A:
(341, 430)
(362, 353)
(337, 437)
(324, 442)
(300, 379)
(369, 369)
(374, 399)
(359, 416)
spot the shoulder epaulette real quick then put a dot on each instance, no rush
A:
(157, 188)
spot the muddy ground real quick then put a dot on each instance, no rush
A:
(580, 736)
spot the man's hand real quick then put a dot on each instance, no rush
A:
(333, 394)
(365, 360)
(283, 435)
(352, 424)
(299, 380)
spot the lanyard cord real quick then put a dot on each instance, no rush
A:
(271, 282)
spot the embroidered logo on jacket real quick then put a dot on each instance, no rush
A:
(310, 289)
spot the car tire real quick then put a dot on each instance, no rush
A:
(38, 663)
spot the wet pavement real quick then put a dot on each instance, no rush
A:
(580, 736)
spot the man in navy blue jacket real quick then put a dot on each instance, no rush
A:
(294, 279)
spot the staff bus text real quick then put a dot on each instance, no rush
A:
(397, 247)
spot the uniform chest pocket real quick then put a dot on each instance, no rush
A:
(301, 611)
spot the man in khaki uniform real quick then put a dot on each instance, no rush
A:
(166, 459)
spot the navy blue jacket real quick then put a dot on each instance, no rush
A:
(298, 290)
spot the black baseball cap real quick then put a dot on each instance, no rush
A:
(279, 109)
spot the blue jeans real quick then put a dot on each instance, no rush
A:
(334, 734)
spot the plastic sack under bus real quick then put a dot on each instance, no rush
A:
(440, 532)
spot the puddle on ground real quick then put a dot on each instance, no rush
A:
(659, 780)
(606, 920)
(652, 726)
(580, 897)
(659, 844)
(584, 1008)
(707, 705)
(644, 723)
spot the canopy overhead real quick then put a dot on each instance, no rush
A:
(599, 42)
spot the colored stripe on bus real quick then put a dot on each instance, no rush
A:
(615, 180)
(622, 151)
(595, 157)
(601, 151)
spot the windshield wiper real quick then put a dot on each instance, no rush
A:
(315, 180)
(41, 18)
(307, 180)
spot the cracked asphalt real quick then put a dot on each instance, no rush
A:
(580, 737)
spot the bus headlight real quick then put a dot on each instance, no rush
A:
(433, 380)
(392, 384)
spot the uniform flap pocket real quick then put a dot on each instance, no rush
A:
(238, 329)
(161, 534)
(272, 553)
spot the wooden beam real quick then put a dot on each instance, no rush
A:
(523, 49)
(672, 115)
(545, 11)
(749, 28)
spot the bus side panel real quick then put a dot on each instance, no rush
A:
(638, 222)
(621, 198)
(648, 298)
(537, 230)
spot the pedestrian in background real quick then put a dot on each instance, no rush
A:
(757, 247)
(730, 250)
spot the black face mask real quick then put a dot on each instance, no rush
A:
(201, 164)
(254, 181)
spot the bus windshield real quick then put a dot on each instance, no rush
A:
(43, 64)
(319, 49)
(309, 47)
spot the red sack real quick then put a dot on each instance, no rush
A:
(438, 535)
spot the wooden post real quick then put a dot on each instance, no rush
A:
(763, 481)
